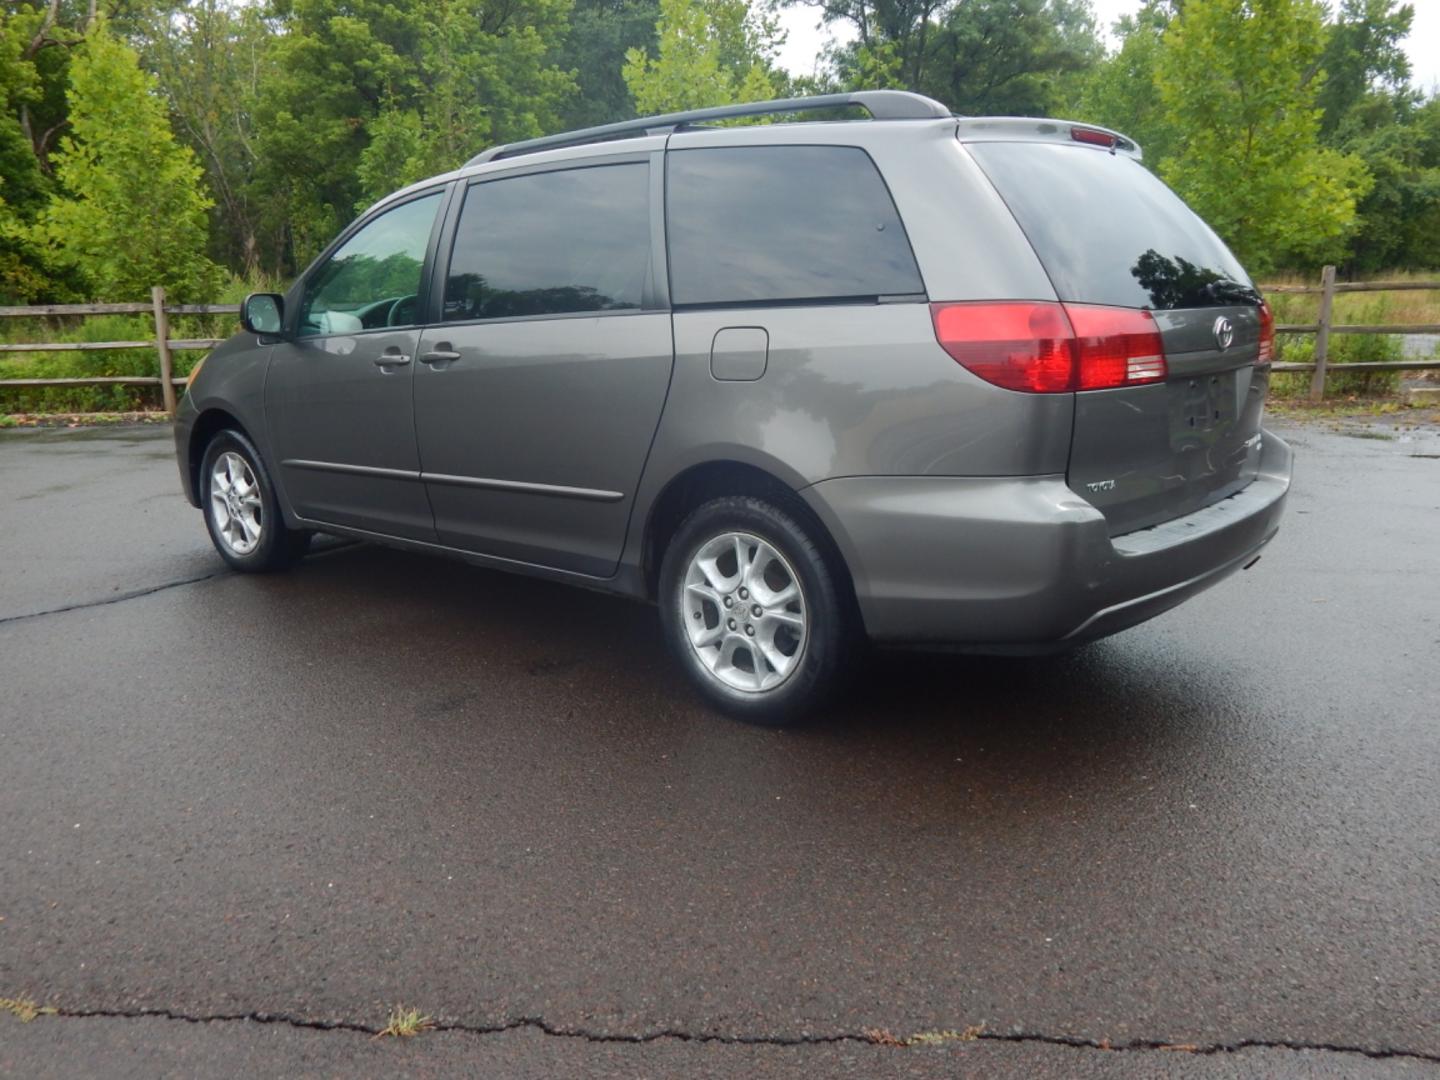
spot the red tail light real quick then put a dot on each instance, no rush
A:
(1045, 348)
(1267, 334)
(1018, 346)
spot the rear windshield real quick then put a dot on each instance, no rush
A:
(1106, 229)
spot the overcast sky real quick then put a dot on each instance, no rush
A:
(1423, 45)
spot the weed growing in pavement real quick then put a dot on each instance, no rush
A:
(24, 1008)
(883, 1037)
(405, 1023)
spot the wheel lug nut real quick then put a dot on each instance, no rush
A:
(757, 611)
(731, 624)
(728, 601)
(749, 629)
(744, 594)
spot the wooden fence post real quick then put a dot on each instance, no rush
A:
(1322, 333)
(162, 345)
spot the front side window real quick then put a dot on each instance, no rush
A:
(373, 279)
(552, 243)
(766, 224)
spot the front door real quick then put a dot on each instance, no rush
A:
(538, 393)
(339, 397)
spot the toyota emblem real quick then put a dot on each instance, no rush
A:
(1224, 333)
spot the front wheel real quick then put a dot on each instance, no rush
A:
(753, 610)
(241, 511)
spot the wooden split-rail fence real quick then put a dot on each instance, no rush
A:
(162, 342)
(166, 346)
(1325, 326)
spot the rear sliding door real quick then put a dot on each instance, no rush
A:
(538, 392)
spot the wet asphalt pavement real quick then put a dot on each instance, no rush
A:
(283, 804)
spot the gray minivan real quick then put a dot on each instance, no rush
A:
(928, 380)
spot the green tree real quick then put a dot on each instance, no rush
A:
(1399, 219)
(34, 56)
(1240, 79)
(1009, 57)
(1363, 57)
(891, 39)
(211, 58)
(475, 88)
(1119, 92)
(978, 56)
(448, 77)
(35, 45)
(710, 52)
(23, 192)
(132, 212)
(601, 33)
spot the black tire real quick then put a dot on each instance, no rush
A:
(823, 653)
(276, 547)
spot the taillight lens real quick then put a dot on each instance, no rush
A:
(1046, 348)
(1267, 334)
(1018, 346)
(1115, 346)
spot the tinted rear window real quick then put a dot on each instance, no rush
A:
(551, 243)
(1106, 229)
(760, 224)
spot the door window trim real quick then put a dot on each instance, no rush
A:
(653, 299)
(295, 297)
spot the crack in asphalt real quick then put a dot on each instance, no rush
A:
(640, 1038)
(150, 590)
(134, 594)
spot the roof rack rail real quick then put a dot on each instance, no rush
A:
(880, 104)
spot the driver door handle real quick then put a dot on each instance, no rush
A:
(443, 354)
(391, 357)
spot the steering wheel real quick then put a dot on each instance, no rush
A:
(402, 312)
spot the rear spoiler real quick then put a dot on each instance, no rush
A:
(1033, 129)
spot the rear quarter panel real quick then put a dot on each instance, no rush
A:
(865, 389)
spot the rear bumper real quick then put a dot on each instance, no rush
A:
(1025, 565)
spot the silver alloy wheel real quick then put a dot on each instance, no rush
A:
(235, 505)
(744, 612)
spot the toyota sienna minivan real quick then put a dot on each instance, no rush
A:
(927, 380)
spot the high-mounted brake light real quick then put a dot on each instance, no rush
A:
(1267, 334)
(1048, 348)
(1092, 136)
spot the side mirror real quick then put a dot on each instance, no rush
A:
(263, 313)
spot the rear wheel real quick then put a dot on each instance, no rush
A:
(241, 511)
(753, 610)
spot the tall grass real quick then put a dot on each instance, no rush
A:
(1417, 306)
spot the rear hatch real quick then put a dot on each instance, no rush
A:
(1109, 233)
